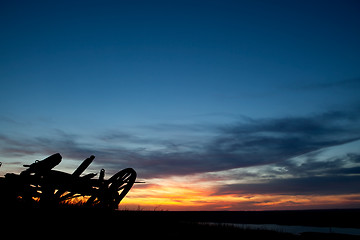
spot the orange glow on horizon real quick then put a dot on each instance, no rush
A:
(178, 194)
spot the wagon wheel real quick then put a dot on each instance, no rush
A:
(109, 195)
(117, 187)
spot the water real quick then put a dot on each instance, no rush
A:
(290, 229)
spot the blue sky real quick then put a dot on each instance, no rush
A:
(158, 80)
(163, 62)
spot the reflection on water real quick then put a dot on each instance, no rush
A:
(290, 229)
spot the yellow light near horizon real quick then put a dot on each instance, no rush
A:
(170, 194)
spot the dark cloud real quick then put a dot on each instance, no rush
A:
(251, 142)
(327, 185)
(335, 175)
(266, 141)
(338, 165)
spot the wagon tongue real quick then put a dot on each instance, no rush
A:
(83, 166)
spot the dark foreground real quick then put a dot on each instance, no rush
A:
(90, 223)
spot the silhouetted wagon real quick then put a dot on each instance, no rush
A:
(50, 187)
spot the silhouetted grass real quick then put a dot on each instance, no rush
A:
(89, 223)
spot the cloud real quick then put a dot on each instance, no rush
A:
(273, 140)
(311, 166)
(249, 142)
(310, 175)
(326, 185)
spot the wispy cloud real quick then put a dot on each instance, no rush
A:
(251, 142)
(297, 186)
(310, 177)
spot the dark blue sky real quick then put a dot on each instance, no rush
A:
(164, 61)
(202, 85)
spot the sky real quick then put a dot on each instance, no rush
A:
(218, 105)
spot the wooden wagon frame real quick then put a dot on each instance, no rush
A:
(49, 187)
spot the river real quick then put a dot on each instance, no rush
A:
(290, 229)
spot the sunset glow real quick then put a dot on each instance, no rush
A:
(178, 195)
(170, 199)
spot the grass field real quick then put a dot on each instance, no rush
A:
(90, 223)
